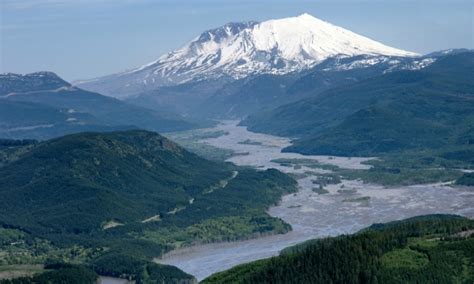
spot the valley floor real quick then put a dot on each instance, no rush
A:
(314, 211)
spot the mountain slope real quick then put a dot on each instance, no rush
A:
(73, 109)
(436, 98)
(431, 109)
(237, 50)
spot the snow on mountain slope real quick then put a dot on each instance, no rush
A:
(237, 50)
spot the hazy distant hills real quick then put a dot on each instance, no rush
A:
(25, 120)
(42, 105)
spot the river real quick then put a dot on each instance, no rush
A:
(312, 215)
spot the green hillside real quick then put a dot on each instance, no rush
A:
(446, 80)
(128, 196)
(435, 110)
(121, 176)
(429, 249)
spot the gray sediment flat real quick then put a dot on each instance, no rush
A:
(310, 214)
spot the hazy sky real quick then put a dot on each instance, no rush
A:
(81, 39)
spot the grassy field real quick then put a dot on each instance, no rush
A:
(20, 270)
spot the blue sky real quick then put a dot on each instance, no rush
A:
(80, 39)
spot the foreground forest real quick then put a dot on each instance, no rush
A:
(426, 249)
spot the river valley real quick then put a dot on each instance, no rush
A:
(345, 208)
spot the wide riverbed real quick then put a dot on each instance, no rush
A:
(312, 215)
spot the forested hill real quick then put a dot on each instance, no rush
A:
(428, 249)
(119, 199)
(78, 182)
(431, 108)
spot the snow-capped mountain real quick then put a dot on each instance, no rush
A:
(237, 50)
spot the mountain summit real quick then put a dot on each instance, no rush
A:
(237, 50)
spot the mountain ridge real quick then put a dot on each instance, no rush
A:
(40, 81)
